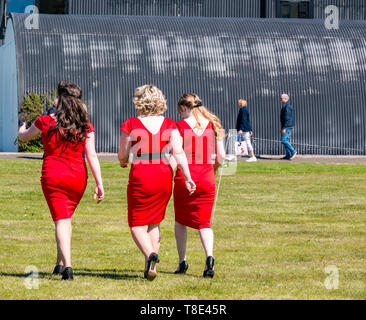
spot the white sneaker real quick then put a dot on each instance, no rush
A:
(293, 156)
(230, 158)
(252, 159)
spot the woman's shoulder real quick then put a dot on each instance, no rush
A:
(46, 118)
(170, 123)
(181, 123)
(128, 125)
(127, 121)
(43, 122)
(91, 127)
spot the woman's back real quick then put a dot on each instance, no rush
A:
(149, 138)
(198, 144)
(54, 144)
(150, 179)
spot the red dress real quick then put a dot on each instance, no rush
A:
(150, 180)
(64, 172)
(195, 210)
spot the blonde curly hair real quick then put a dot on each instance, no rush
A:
(149, 101)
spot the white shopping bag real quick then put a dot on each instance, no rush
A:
(241, 148)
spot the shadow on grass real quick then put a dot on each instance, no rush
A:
(274, 158)
(107, 273)
(24, 275)
(122, 274)
(29, 158)
(181, 274)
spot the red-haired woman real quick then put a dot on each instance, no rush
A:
(151, 176)
(65, 134)
(202, 135)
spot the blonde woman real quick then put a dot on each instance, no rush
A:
(244, 128)
(202, 135)
(150, 182)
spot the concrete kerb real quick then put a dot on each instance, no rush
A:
(112, 157)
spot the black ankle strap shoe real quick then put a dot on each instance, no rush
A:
(67, 274)
(209, 272)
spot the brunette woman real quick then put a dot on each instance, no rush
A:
(65, 134)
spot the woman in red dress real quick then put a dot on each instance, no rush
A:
(148, 138)
(202, 135)
(65, 135)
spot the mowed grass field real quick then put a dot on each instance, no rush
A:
(277, 227)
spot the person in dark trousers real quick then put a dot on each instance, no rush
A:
(287, 125)
(244, 128)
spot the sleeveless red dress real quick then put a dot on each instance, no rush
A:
(150, 180)
(195, 210)
(64, 173)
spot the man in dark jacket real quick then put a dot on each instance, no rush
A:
(287, 124)
(244, 128)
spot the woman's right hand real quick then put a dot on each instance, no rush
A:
(191, 186)
(23, 128)
(98, 193)
(123, 164)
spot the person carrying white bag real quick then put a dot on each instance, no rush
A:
(244, 128)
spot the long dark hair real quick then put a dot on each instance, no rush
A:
(72, 119)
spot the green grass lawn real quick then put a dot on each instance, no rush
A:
(277, 226)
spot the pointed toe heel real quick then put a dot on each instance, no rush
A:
(182, 267)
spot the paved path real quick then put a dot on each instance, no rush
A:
(262, 158)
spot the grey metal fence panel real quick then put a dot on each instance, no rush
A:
(221, 60)
(204, 8)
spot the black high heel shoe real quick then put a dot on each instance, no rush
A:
(182, 268)
(58, 270)
(209, 272)
(150, 273)
(67, 274)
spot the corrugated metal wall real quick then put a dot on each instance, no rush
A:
(204, 8)
(348, 9)
(324, 71)
(271, 8)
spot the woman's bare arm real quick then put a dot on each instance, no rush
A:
(220, 152)
(124, 149)
(91, 156)
(179, 155)
(28, 134)
(172, 162)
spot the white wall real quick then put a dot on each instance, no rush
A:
(8, 93)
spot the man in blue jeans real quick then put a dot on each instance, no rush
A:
(287, 124)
